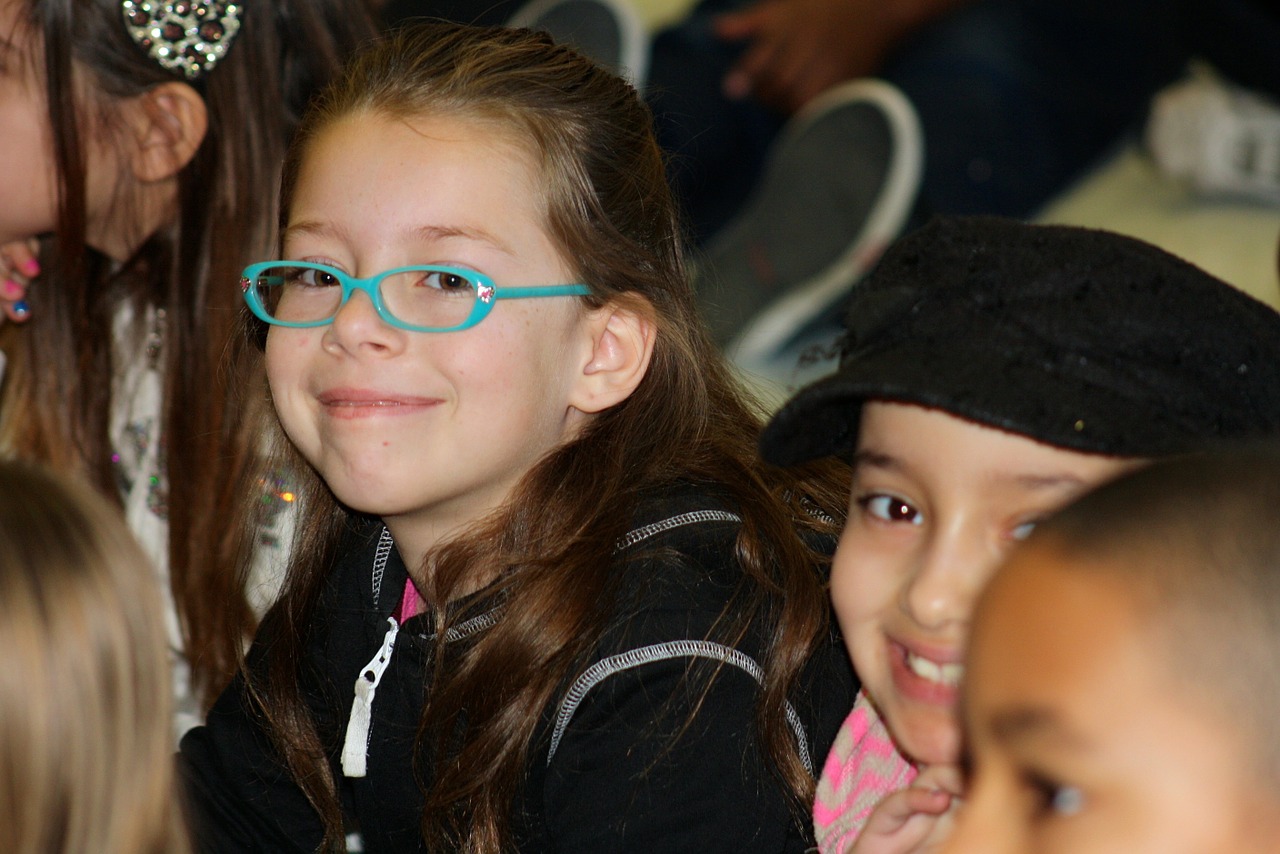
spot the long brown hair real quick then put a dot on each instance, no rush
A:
(609, 210)
(58, 395)
(86, 745)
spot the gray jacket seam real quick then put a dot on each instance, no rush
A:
(615, 664)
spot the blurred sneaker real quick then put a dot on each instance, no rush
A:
(838, 187)
(608, 31)
(1222, 139)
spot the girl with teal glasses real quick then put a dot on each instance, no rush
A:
(544, 596)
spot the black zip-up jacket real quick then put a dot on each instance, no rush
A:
(604, 773)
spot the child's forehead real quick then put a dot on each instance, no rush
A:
(421, 166)
(475, 126)
(890, 427)
(954, 469)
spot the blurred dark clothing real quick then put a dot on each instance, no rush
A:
(1017, 98)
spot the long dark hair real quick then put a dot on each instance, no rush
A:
(58, 394)
(610, 211)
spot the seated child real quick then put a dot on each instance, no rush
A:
(992, 371)
(1124, 671)
(86, 750)
(548, 599)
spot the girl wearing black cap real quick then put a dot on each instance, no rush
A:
(991, 372)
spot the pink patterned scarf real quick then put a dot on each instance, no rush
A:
(861, 769)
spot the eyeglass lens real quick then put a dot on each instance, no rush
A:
(427, 297)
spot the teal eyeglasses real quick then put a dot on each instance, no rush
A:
(420, 299)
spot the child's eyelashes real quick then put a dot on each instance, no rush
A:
(317, 259)
(894, 509)
(890, 508)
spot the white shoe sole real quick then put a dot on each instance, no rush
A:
(769, 330)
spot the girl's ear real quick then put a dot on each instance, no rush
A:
(167, 125)
(622, 335)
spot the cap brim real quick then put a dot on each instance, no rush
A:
(821, 420)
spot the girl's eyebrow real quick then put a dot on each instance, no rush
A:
(313, 229)
(869, 458)
(421, 234)
(872, 458)
(1046, 481)
(432, 233)
(1021, 723)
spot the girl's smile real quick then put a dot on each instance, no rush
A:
(367, 403)
(933, 678)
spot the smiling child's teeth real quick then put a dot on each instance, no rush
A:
(947, 674)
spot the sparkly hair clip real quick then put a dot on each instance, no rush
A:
(188, 36)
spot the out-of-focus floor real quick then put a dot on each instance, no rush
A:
(1235, 240)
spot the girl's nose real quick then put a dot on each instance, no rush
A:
(357, 326)
(946, 581)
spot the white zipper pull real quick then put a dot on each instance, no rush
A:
(355, 749)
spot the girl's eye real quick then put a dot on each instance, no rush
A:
(312, 278)
(889, 508)
(448, 282)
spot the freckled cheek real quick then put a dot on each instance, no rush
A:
(498, 375)
(507, 368)
(286, 374)
(283, 380)
(287, 348)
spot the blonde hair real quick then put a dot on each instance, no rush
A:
(86, 744)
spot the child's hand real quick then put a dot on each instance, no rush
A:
(18, 266)
(914, 820)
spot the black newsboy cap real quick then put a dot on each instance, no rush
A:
(1080, 338)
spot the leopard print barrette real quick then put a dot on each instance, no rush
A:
(186, 36)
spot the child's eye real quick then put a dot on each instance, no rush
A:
(890, 508)
(1021, 532)
(306, 277)
(1054, 797)
(1067, 800)
(448, 282)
